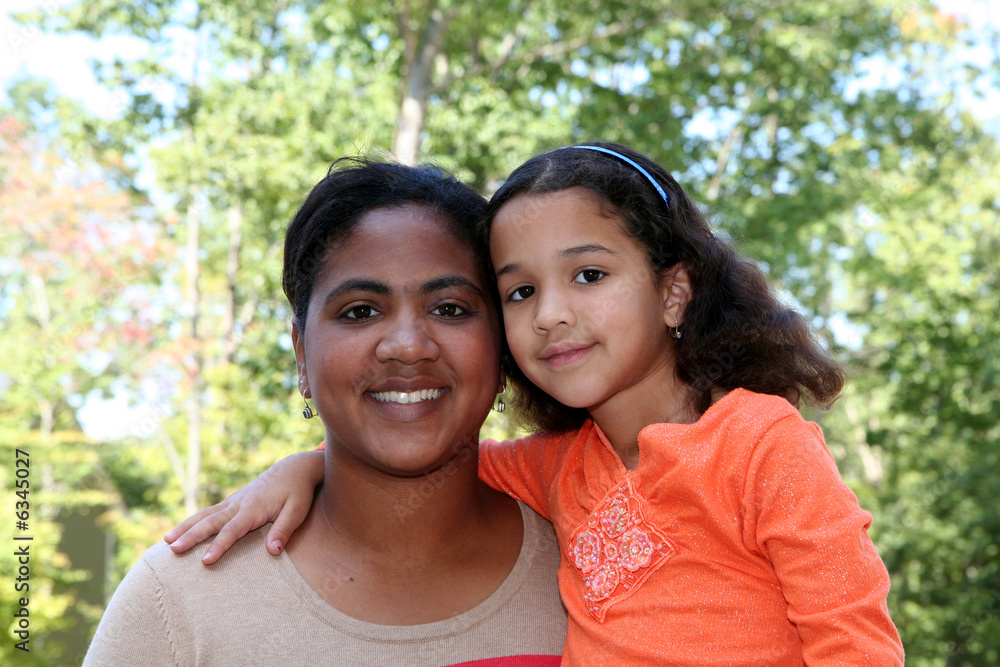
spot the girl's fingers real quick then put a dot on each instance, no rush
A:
(234, 529)
(290, 517)
(209, 525)
(189, 522)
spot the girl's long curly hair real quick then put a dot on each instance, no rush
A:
(736, 333)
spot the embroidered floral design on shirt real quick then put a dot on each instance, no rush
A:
(616, 550)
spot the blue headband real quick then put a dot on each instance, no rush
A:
(649, 177)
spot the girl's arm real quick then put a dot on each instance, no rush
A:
(283, 494)
(523, 469)
(808, 523)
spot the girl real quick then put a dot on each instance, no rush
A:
(701, 519)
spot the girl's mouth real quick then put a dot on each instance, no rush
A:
(564, 354)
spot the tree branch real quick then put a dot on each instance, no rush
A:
(265, 63)
(510, 42)
(720, 163)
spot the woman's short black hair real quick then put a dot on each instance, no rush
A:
(355, 186)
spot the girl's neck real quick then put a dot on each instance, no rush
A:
(661, 399)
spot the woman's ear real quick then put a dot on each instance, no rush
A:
(676, 293)
(299, 344)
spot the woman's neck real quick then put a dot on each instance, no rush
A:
(399, 551)
(374, 510)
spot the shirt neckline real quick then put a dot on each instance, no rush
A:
(660, 429)
(353, 627)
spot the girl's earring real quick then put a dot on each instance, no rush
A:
(676, 333)
(500, 406)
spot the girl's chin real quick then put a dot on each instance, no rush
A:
(571, 396)
(571, 401)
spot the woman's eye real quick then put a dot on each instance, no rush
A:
(589, 276)
(450, 310)
(521, 293)
(362, 312)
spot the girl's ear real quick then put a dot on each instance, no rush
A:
(299, 344)
(675, 289)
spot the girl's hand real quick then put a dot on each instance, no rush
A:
(282, 494)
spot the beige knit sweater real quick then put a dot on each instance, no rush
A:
(252, 608)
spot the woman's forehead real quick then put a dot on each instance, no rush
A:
(399, 242)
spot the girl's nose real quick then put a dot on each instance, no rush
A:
(407, 340)
(553, 308)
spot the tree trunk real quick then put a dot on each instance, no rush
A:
(234, 218)
(193, 296)
(418, 72)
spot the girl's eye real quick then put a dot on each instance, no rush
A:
(521, 293)
(450, 310)
(359, 313)
(589, 276)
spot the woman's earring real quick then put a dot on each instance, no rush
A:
(500, 406)
(676, 333)
(307, 412)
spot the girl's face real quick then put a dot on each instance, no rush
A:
(400, 348)
(585, 316)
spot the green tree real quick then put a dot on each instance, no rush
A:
(926, 281)
(762, 112)
(78, 269)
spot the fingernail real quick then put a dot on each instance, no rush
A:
(276, 545)
(204, 559)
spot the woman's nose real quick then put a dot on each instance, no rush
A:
(408, 340)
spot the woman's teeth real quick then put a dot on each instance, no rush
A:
(407, 397)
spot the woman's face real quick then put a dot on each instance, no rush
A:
(400, 348)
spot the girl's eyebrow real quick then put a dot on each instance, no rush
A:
(573, 251)
(585, 249)
(510, 268)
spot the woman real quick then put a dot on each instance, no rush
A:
(405, 557)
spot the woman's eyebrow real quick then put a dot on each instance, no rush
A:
(381, 289)
(445, 282)
(357, 285)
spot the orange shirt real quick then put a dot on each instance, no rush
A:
(733, 542)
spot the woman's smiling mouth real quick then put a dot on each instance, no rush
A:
(407, 397)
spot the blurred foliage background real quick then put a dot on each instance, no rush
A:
(140, 248)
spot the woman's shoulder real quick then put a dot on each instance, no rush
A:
(539, 534)
(186, 568)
